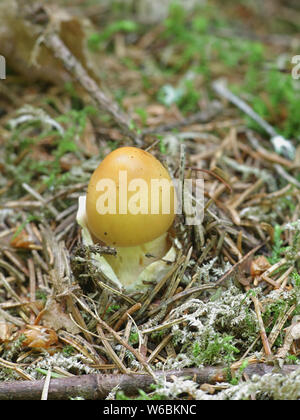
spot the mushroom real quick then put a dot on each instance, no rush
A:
(130, 205)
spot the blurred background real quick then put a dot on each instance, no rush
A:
(169, 49)
(155, 63)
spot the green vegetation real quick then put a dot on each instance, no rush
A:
(212, 350)
(142, 396)
(36, 132)
(205, 45)
(96, 40)
(160, 75)
(278, 248)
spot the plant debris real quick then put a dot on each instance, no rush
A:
(230, 297)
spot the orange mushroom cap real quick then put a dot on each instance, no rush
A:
(128, 200)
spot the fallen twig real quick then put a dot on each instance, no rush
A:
(200, 117)
(281, 145)
(98, 386)
(52, 41)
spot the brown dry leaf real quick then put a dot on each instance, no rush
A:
(87, 141)
(38, 336)
(159, 114)
(22, 23)
(23, 240)
(55, 317)
(292, 334)
(6, 329)
(259, 266)
(156, 109)
(68, 161)
(132, 102)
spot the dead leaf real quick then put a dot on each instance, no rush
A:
(55, 317)
(259, 266)
(38, 336)
(23, 240)
(6, 329)
(22, 23)
(292, 334)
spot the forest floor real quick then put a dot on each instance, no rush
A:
(213, 94)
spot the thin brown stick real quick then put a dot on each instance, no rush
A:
(137, 355)
(200, 117)
(198, 289)
(212, 173)
(263, 334)
(124, 317)
(52, 41)
(110, 351)
(98, 386)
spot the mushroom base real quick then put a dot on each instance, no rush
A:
(131, 261)
(134, 268)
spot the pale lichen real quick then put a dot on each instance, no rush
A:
(212, 329)
(73, 364)
(272, 386)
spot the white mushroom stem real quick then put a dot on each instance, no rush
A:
(133, 267)
(131, 261)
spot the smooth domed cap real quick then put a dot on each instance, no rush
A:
(130, 198)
